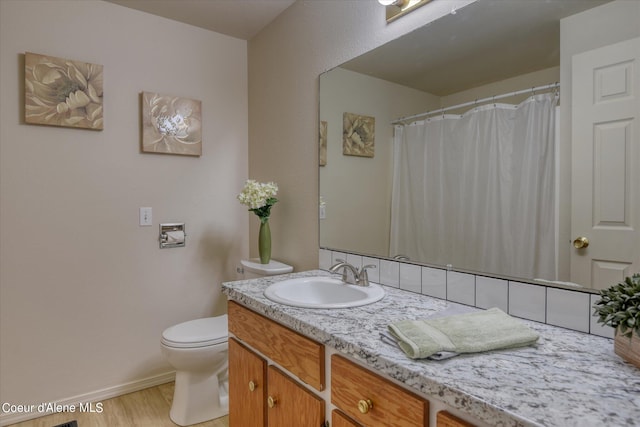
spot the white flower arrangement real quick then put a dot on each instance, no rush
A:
(259, 197)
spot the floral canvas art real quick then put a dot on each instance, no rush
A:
(62, 92)
(358, 135)
(323, 143)
(171, 125)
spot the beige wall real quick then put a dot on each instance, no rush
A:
(357, 190)
(84, 291)
(285, 60)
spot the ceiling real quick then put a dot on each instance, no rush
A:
(508, 38)
(484, 42)
(242, 19)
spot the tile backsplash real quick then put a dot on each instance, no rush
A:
(571, 309)
(528, 301)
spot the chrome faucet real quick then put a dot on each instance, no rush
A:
(360, 278)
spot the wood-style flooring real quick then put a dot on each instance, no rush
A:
(144, 408)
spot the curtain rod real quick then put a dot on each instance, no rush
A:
(402, 120)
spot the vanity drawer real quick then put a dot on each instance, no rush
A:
(298, 354)
(372, 400)
(445, 419)
(338, 419)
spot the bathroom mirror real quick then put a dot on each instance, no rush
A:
(484, 49)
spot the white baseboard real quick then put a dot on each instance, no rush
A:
(94, 396)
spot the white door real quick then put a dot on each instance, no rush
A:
(606, 164)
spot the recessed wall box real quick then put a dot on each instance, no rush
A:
(172, 235)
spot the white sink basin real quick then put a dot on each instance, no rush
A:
(322, 292)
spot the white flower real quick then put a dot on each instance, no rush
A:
(260, 197)
(256, 195)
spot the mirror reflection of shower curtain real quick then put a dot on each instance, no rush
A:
(477, 191)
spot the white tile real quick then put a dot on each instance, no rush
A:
(568, 309)
(335, 256)
(461, 287)
(324, 259)
(355, 260)
(390, 273)
(492, 292)
(410, 277)
(598, 328)
(374, 273)
(434, 282)
(527, 301)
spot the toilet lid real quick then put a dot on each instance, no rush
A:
(197, 333)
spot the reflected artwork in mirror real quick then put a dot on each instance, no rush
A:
(487, 183)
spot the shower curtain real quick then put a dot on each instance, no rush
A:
(477, 191)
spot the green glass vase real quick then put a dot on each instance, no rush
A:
(264, 242)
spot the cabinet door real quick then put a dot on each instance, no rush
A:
(372, 400)
(338, 419)
(445, 419)
(247, 387)
(290, 404)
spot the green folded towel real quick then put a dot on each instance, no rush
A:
(486, 330)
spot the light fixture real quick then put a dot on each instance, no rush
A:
(391, 2)
(397, 8)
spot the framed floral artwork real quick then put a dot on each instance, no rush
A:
(62, 92)
(358, 135)
(171, 125)
(323, 143)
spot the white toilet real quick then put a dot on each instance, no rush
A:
(198, 350)
(253, 269)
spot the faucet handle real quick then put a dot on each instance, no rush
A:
(340, 263)
(363, 276)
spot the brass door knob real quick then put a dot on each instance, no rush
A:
(581, 243)
(365, 405)
(271, 402)
(252, 386)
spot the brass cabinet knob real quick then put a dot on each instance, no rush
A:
(581, 243)
(271, 402)
(365, 405)
(252, 386)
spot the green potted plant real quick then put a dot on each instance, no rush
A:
(619, 307)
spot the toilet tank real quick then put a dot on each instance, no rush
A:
(253, 269)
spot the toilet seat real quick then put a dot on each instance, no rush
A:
(197, 333)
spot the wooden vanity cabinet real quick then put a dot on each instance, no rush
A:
(372, 400)
(290, 404)
(247, 387)
(444, 419)
(260, 394)
(298, 354)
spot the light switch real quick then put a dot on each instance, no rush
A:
(146, 216)
(323, 208)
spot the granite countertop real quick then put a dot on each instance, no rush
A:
(568, 379)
